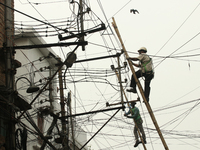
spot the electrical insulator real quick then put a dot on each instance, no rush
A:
(112, 67)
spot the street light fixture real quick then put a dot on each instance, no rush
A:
(32, 87)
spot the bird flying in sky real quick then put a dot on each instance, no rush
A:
(134, 11)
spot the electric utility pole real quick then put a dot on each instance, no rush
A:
(81, 22)
(64, 134)
(71, 120)
(9, 63)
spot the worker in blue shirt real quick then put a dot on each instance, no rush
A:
(135, 114)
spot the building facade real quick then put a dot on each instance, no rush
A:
(38, 65)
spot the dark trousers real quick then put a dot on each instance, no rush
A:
(148, 77)
(139, 127)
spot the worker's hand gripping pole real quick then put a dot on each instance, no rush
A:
(139, 86)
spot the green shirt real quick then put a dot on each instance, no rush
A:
(135, 113)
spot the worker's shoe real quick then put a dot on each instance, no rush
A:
(137, 143)
(132, 90)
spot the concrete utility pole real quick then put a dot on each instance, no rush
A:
(62, 104)
(71, 119)
(81, 21)
(51, 92)
(140, 87)
(9, 58)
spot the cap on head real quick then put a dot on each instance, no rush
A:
(133, 103)
(143, 49)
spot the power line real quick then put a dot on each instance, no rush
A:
(178, 28)
(179, 47)
(30, 16)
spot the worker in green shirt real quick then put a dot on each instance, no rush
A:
(135, 114)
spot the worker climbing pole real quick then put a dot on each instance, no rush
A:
(138, 122)
(140, 87)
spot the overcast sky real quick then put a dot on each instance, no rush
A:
(170, 32)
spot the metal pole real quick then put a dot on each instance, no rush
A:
(9, 30)
(140, 87)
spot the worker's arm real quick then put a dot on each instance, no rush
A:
(134, 59)
(135, 113)
(136, 65)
